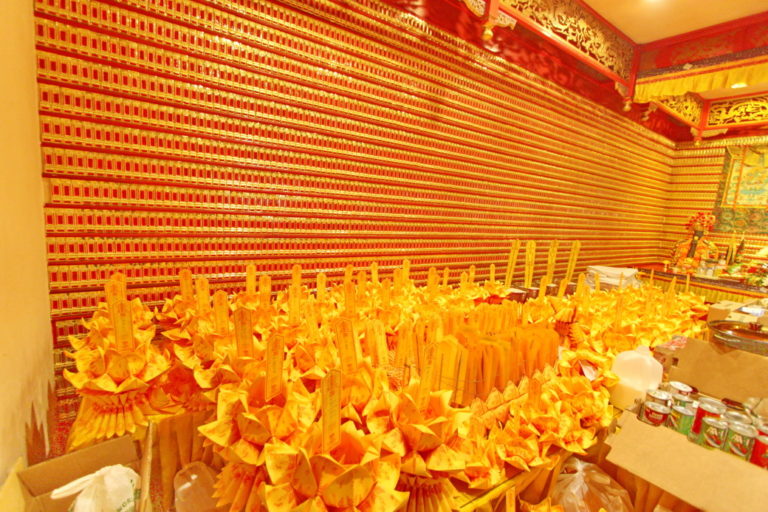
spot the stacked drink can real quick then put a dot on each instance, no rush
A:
(708, 422)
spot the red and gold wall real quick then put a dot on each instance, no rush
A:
(696, 175)
(207, 134)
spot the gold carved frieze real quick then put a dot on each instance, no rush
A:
(739, 111)
(580, 28)
(686, 106)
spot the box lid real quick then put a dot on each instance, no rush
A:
(711, 480)
(44, 477)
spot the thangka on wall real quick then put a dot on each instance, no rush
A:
(742, 198)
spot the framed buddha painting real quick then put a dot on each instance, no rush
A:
(742, 197)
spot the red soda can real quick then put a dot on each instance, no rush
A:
(760, 452)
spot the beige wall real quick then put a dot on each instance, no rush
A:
(25, 339)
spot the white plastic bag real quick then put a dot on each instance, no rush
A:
(110, 489)
(584, 487)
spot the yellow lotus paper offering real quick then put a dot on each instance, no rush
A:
(374, 394)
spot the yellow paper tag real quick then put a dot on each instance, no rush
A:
(275, 356)
(119, 278)
(427, 376)
(471, 276)
(349, 298)
(386, 294)
(243, 332)
(330, 390)
(313, 331)
(322, 279)
(265, 290)
(510, 498)
(112, 292)
(376, 339)
(221, 312)
(250, 279)
(203, 295)
(294, 305)
(375, 273)
(185, 284)
(347, 345)
(446, 274)
(511, 263)
(492, 273)
(404, 335)
(296, 276)
(406, 271)
(432, 280)
(123, 326)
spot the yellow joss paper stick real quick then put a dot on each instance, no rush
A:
(530, 261)
(650, 281)
(463, 281)
(296, 276)
(471, 276)
(386, 293)
(265, 290)
(397, 281)
(294, 304)
(514, 250)
(112, 293)
(572, 259)
(375, 273)
(562, 288)
(492, 273)
(687, 282)
(322, 279)
(406, 271)
(250, 279)
(362, 281)
(543, 284)
(185, 284)
(274, 359)
(581, 285)
(203, 296)
(552, 259)
(349, 298)
(432, 280)
(349, 271)
(446, 274)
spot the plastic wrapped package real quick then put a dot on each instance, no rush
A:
(110, 489)
(584, 487)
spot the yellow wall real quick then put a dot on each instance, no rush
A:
(25, 340)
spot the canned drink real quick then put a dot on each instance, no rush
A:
(713, 433)
(737, 417)
(762, 427)
(654, 414)
(680, 388)
(680, 419)
(740, 440)
(707, 408)
(760, 452)
(682, 400)
(658, 396)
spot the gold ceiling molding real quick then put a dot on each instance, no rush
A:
(738, 111)
(580, 28)
(687, 107)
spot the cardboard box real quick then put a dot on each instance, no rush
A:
(711, 480)
(43, 478)
(720, 371)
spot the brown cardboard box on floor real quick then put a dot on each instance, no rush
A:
(43, 478)
(711, 480)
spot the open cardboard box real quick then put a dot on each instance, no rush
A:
(711, 480)
(43, 478)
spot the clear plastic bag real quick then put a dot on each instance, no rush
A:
(110, 489)
(584, 487)
(194, 488)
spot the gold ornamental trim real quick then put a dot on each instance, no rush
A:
(739, 111)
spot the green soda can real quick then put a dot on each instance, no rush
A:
(740, 440)
(713, 432)
(684, 401)
(680, 419)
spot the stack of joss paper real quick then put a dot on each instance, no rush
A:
(373, 394)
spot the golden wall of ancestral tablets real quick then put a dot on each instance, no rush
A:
(696, 175)
(209, 134)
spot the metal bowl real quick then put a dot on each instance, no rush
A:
(739, 335)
